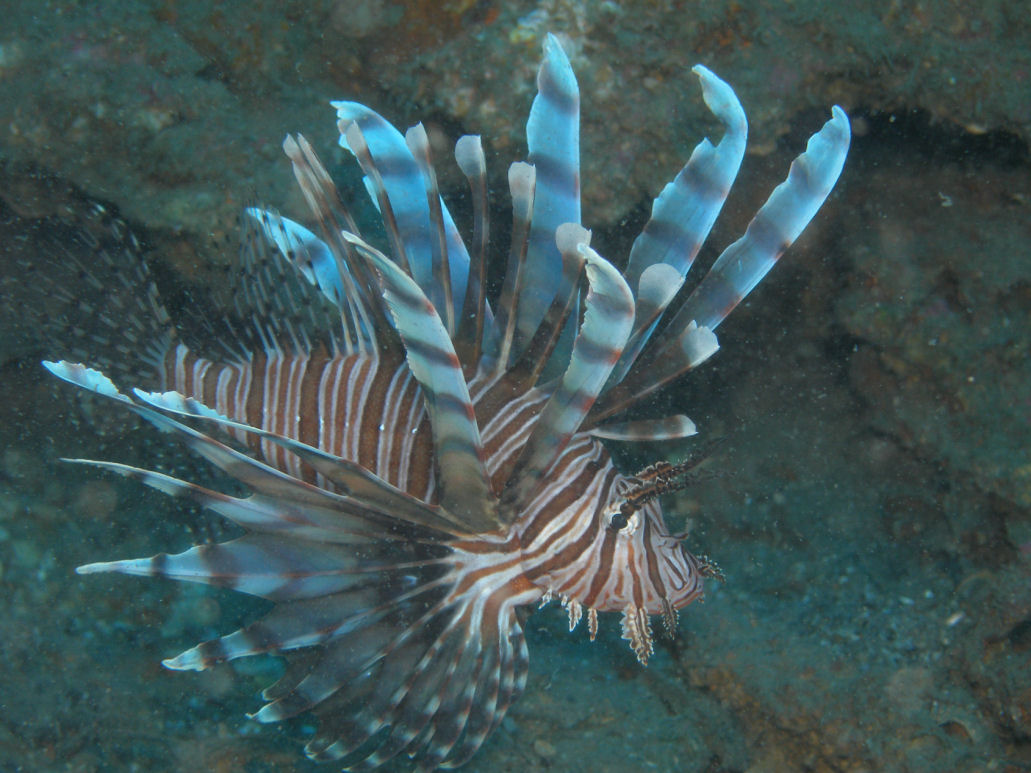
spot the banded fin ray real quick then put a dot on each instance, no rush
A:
(688, 339)
(475, 323)
(316, 261)
(315, 520)
(776, 225)
(683, 214)
(413, 700)
(287, 311)
(527, 370)
(339, 272)
(302, 504)
(608, 317)
(553, 142)
(522, 184)
(402, 249)
(419, 146)
(353, 480)
(437, 700)
(399, 190)
(275, 568)
(370, 682)
(431, 357)
(308, 622)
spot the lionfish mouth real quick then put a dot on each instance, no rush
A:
(420, 462)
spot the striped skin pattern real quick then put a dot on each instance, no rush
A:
(421, 462)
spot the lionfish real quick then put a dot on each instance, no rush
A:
(422, 463)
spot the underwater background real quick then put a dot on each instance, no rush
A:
(870, 501)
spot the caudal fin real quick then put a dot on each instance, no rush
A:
(84, 287)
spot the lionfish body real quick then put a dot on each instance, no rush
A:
(422, 463)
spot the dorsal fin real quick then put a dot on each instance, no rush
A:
(473, 319)
(400, 246)
(608, 316)
(522, 179)
(684, 212)
(776, 225)
(527, 370)
(419, 144)
(282, 308)
(399, 188)
(553, 141)
(340, 273)
(688, 338)
(465, 486)
(683, 215)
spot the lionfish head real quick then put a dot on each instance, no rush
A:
(659, 574)
(620, 556)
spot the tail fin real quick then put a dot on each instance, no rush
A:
(90, 291)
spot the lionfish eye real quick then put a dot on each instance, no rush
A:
(618, 521)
